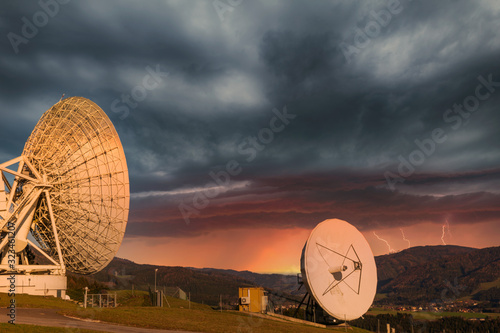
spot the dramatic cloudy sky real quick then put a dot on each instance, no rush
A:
(381, 113)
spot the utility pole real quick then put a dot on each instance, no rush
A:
(85, 298)
(156, 270)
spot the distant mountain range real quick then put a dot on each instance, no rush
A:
(437, 274)
(418, 275)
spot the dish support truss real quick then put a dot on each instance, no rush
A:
(20, 214)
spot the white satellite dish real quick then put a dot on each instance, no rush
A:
(338, 269)
(70, 192)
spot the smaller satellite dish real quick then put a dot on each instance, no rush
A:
(338, 269)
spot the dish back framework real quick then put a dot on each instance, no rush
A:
(69, 189)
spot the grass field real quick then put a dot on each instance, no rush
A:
(141, 298)
(181, 315)
(482, 286)
(45, 302)
(379, 297)
(487, 285)
(19, 328)
(426, 315)
(194, 320)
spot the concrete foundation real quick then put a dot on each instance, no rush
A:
(41, 285)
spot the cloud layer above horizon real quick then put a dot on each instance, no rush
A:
(274, 115)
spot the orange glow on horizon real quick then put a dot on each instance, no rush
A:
(279, 250)
(256, 250)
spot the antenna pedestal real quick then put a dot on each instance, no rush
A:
(41, 285)
(313, 312)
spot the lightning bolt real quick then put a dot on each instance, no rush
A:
(404, 238)
(443, 234)
(391, 250)
(445, 226)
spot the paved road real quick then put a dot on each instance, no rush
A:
(50, 317)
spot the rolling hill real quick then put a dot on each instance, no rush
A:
(442, 279)
(392, 265)
(414, 276)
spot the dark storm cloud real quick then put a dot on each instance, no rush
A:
(355, 115)
(302, 201)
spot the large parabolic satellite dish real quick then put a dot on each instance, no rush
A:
(338, 269)
(70, 191)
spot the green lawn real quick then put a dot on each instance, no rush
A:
(481, 287)
(433, 315)
(377, 311)
(20, 328)
(206, 320)
(379, 297)
(181, 315)
(141, 298)
(487, 285)
(29, 301)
